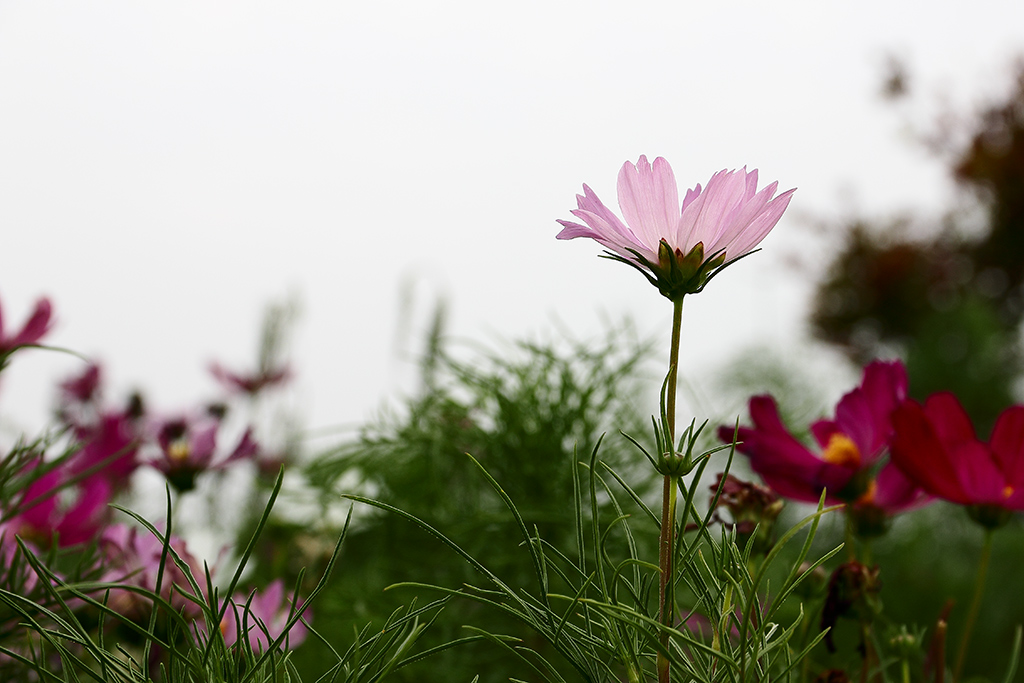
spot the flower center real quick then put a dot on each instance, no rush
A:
(868, 497)
(179, 451)
(841, 450)
(1007, 491)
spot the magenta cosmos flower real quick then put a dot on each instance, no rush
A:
(677, 247)
(936, 446)
(52, 508)
(188, 447)
(850, 465)
(250, 384)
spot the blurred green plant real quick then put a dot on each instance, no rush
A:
(522, 412)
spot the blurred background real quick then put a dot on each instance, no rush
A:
(167, 171)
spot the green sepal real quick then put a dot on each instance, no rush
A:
(677, 274)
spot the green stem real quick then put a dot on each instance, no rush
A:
(851, 548)
(666, 543)
(972, 616)
(673, 365)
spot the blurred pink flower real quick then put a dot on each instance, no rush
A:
(852, 447)
(936, 446)
(83, 388)
(267, 615)
(37, 325)
(133, 559)
(112, 444)
(250, 384)
(679, 247)
(189, 447)
(52, 509)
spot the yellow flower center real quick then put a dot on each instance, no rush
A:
(1007, 491)
(179, 451)
(868, 497)
(841, 450)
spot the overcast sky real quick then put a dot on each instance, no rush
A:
(166, 169)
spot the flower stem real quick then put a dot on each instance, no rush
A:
(666, 543)
(972, 616)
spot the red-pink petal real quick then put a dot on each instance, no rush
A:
(918, 451)
(1007, 445)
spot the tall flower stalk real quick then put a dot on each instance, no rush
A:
(678, 248)
(666, 541)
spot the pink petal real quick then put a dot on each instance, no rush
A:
(895, 492)
(759, 228)
(649, 200)
(36, 326)
(823, 430)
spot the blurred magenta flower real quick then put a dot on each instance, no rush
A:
(188, 447)
(851, 465)
(111, 445)
(52, 509)
(936, 447)
(132, 558)
(83, 388)
(265, 619)
(251, 384)
(37, 325)
(679, 248)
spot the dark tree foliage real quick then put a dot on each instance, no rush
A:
(951, 304)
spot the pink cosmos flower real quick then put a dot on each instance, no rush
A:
(188, 447)
(679, 247)
(37, 325)
(112, 444)
(133, 559)
(83, 388)
(265, 619)
(936, 446)
(850, 465)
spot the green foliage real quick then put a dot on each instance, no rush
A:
(521, 412)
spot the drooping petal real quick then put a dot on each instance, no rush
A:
(783, 462)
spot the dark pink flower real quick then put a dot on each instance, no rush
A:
(936, 447)
(37, 325)
(52, 509)
(678, 247)
(251, 384)
(265, 618)
(83, 388)
(112, 445)
(850, 464)
(189, 447)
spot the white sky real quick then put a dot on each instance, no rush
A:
(166, 169)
